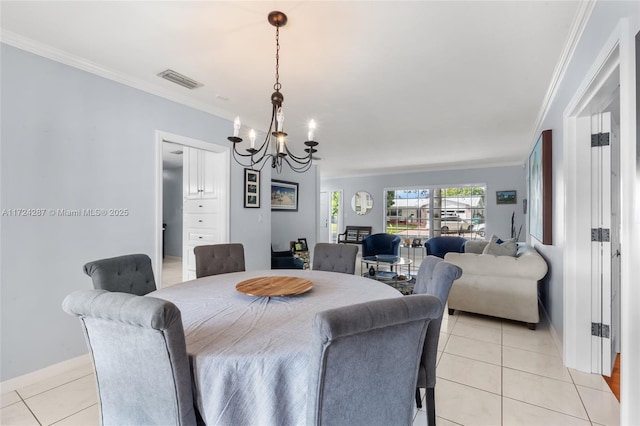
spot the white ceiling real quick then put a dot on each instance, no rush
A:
(394, 85)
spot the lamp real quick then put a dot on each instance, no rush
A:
(278, 152)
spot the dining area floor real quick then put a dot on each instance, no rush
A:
(490, 372)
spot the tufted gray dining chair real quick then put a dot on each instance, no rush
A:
(217, 259)
(364, 361)
(335, 257)
(435, 277)
(131, 273)
(138, 349)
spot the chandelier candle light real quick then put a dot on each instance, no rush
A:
(280, 151)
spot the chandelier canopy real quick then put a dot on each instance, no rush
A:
(278, 151)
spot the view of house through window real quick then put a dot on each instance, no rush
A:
(430, 212)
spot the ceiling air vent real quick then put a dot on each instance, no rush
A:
(178, 152)
(180, 79)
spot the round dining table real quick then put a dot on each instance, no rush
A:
(250, 355)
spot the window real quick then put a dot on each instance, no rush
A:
(428, 212)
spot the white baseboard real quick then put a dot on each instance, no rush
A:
(45, 373)
(554, 335)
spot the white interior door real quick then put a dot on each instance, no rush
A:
(616, 223)
(336, 215)
(323, 218)
(601, 260)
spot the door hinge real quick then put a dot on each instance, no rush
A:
(599, 330)
(600, 235)
(600, 139)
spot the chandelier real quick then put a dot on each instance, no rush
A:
(274, 147)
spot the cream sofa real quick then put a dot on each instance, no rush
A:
(500, 286)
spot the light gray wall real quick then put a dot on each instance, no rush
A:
(604, 19)
(251, 227)
(495, 178)
(172, 211)
(73, 140)
(289, 226)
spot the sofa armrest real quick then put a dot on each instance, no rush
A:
(528, 264)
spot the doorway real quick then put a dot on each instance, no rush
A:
(190, 173)
(330, 219)
(336, 215)
(172, 171)
(593, 226)
(605, 238)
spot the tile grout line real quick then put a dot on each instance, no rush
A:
(24, 401)
(575, 386)
(525, 402)
(470, 386)
(551, 409)
(55, 387)
(551, 378)
(50, 389)
(467, 357)
(533, 352)
(538, 375)
(73, 414)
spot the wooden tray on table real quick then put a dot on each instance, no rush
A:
(274, 286)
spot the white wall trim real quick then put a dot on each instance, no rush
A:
(619, 50)
(630, 226)
(44, 373)
(575, 33)
(58, 55)
(576, 127)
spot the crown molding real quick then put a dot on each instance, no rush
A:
(583, 14)
(66, 58)
(469, 165)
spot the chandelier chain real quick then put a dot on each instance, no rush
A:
(277, 86)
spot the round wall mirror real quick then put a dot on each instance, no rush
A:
(362, 202)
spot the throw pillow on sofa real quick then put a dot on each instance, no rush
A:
(498, 247)
(475, 246)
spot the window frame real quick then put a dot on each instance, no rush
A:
(470, 208)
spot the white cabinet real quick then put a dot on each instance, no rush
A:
(202, 225)
(199, 173)
(205, 191)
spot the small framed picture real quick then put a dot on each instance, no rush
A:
(506, 197)
(284, 196)
(251, 188)
(303, 244)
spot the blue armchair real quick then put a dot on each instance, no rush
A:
(439, 246)
(380, 244)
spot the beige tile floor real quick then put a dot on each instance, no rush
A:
(171, 271)
(490, 372)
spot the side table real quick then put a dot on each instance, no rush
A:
(393, 277)
(394, 263)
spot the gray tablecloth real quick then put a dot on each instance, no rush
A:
(250, 354)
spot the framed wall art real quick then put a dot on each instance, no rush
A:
(251, 188)
(284, 196)
(506, 197)
(540, 188)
